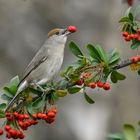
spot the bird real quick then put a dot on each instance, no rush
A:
(46, 63)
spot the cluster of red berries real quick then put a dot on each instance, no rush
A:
(99, 84)
(23, 121)
(49, 117)
(135, 59)
(13, 133)
(128, 37)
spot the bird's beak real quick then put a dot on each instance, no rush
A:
(66, 32)
(69, 30)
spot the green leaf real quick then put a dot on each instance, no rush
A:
(2, 114)
(38, 102)
(135, 45)
(88, 99)
(136, 10)
(31, 109)
(129, 132)
(102, 53)
(35, 91)
(7, 91)
(2, 106)
(116, 136)
(139, 72)
(54, 97)
(92, 51)
(5, 97)
(60, 93)
(74, 89)
(115, 76)
(125, 19)
(13, 86)
(74, 77)
(130, 15)
(15, 81)
(114, 57)
(75, 50)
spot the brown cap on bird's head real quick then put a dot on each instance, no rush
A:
(53, 32)
(58, 31)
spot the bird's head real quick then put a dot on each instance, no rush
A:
(58, 35)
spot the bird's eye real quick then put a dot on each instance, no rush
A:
(57, 33)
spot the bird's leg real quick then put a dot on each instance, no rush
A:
(35, 85)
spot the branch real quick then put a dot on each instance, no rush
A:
(123, 64)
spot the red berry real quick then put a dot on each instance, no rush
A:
(92, 85)
(72, 29)
(21, 117)
(34, 116)
(43, 116)
(136, 36)
(80, 82)
(51, 114)
(7, 127)
(125, 34)
(128, 38)
(39, 115)
(130, 2)
(50, 120)
(1, 131)
(21, 123)
(54, 110)
(15, 114)
(12, 132)
(100, 84)
(22, 136)
(8, 114)
(8, 135)
(132, 36)
(26, 116)
(106, 86)
(86, 75)
(138, 57)
(134, 59)
(11, 118)
(27, 124)
(34, 122)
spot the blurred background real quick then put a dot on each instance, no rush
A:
(23, 28)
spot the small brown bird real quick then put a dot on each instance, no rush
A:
(47, 61)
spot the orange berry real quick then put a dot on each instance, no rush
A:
(92, 85)
(51, 114)
(34, 116)
(39, 115)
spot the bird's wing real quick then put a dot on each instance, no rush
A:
(39, 58)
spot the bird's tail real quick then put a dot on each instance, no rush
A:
(21, 87)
